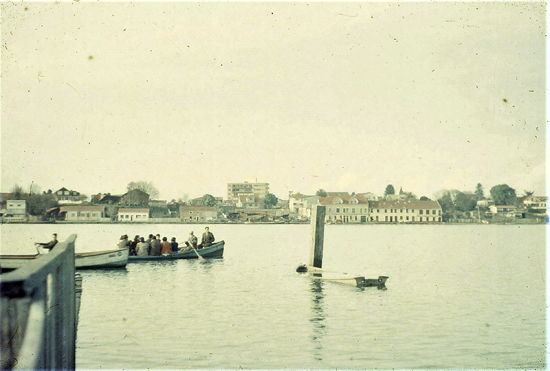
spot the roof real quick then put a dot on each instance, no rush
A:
(198, 208)
(504, 206)
(243, 198)
(337, 194)
(130, 210)
(329, 200)
(405, 204)
(81, 208)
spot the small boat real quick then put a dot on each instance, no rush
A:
(213, 251)
(345, 278)
(117, 258)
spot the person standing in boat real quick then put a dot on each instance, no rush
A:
(174, 245)
(165, 247)
(155, 247)
(142, 248)
(44, 247)
(207, 238)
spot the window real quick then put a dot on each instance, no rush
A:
(439, 218)
(420, 218)
(337, 209)
(138, 216)
(401, 218)
(401, 211)
(421, 211)
(407, 210)
(413, 218)
(377, 210)
(385, 210)
(353, 210)
(407, 218)
(377, 218)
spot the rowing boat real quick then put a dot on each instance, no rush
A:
(117, 258)
(213, 251)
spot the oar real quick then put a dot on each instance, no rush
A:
(199, 255)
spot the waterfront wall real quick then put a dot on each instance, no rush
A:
(38, 312)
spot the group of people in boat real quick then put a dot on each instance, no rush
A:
(155, 246)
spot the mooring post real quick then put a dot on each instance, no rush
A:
(317, 235)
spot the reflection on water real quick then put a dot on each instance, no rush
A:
(317, 317)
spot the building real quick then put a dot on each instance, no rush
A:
(503, 211)
(345, 209)
(133, 215)
(369, 196)
(485, 202)
(405, 211)
(234, 190)
(105, 199)
(197, 214)
(15, 211)
(158, 203)
(199, 201)
(301, 204)
(65, 196)
(16, 207)
(536, 204)
(249, 202)
(135, 198)
(80, 213)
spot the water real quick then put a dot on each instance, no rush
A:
(458, 297)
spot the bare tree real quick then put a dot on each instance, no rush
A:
(144, 186)
(34, 189)
(17, 192)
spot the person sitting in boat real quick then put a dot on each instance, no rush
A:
(155, 247)
(191, 242)
(142, 248)
(165, 247)
(45, 247)
(174, 245)
(133, 245)
(124, 243)
(207, 238)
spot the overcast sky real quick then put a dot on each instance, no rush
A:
(344, 97)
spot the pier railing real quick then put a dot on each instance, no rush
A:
(38, 312)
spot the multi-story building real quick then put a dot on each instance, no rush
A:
(405, 211)
(345, 209)
(234, 190)
(198, 214)
(536, 204)
(504, 211)
(64, 196)
(301, 204)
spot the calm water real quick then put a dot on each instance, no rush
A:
(457, 297)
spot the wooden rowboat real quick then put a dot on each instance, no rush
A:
(213, 251)
(117, 258)
(345, 278)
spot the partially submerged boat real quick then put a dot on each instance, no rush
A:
(345, 278)
(213, 251)
(117, 258)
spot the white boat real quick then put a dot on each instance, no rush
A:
(116, 258)
(345, 278)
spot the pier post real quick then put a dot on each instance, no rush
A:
(317, 235)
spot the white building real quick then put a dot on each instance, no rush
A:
(83, 213)
(301, 204)
(16, 211)
(133, 215)
(198, 214)
(345, 209)
(234, 190)
(405, 211)
(536, 203)
(506, 211)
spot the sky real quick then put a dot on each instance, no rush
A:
(340, 96)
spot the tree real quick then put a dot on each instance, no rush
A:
(409, 196)
(479, 191)
(147, 187)
(270, 200)
(527, 193)
(424, 198)
(208, 200)
(321, 193)
(503, 194)
(389, 190)
(17, 192)
(465, 201)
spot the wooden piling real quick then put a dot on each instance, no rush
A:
(317, 235)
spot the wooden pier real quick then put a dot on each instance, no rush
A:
(39, 311)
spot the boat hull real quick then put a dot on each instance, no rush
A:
(117, 258)
(213, 251)
(354, 280)
(102, 259)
